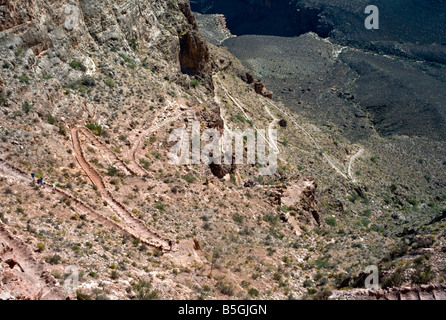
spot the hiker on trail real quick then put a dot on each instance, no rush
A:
(170, 245)
(53, 187)
(33, 175)
(40, 181)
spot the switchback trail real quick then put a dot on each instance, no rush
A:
(154, 126)
(18, 176)
(317, 146)
(238, 104)
(150, 237)
(352, 161)
(103, 147)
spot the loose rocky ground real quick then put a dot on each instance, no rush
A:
(91, 110)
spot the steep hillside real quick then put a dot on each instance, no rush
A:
(89, 98)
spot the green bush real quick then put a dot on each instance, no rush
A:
(82, 296)
(322, 263)
(322, 295)
(143, 290)
(88, 81)
(145, 164)
(238, 218)
(112, 171)
(114, 275)
(393, 280)
(423, 275)
(353, 198)
(54, 259)
(331, 221)
(225, 288)
(160, 207)
(77, 65)
(110, 82)
(253, 292)
(50, 119)
(24, 79)
(189, 178)
(40, 247)
(130, 62)
(26, 107)
(195, 83)
(133, 44)
(95, 129)
(271, 218)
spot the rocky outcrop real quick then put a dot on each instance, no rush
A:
(194, 53)
(185, 8)
(260, 88)
(49, 36)
(299, 198)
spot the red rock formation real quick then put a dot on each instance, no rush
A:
(194, 53)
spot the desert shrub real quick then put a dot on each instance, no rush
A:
(160, 207)
(110, 82)
(253, 292)
(143, 290)
(77, 65)
(95, 129)
(238, 218)
(133, 43)
(393, 187)
(114, 275)
(422, 275)
(50, 119)
(238, 117)
(422, 242)
(393, 280)
(54, 259)
(225, 288)
(145, 164)
(82, 296)
(26, 107)
(323, 294)
(112, 171)
(322, 263)
(130, 62)
(331, 221)
(40, 246)
(271, 218)
(24, 78)
(189, 178)
(308, 283)
(195, 83)
(88, 81)
(353, 198)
